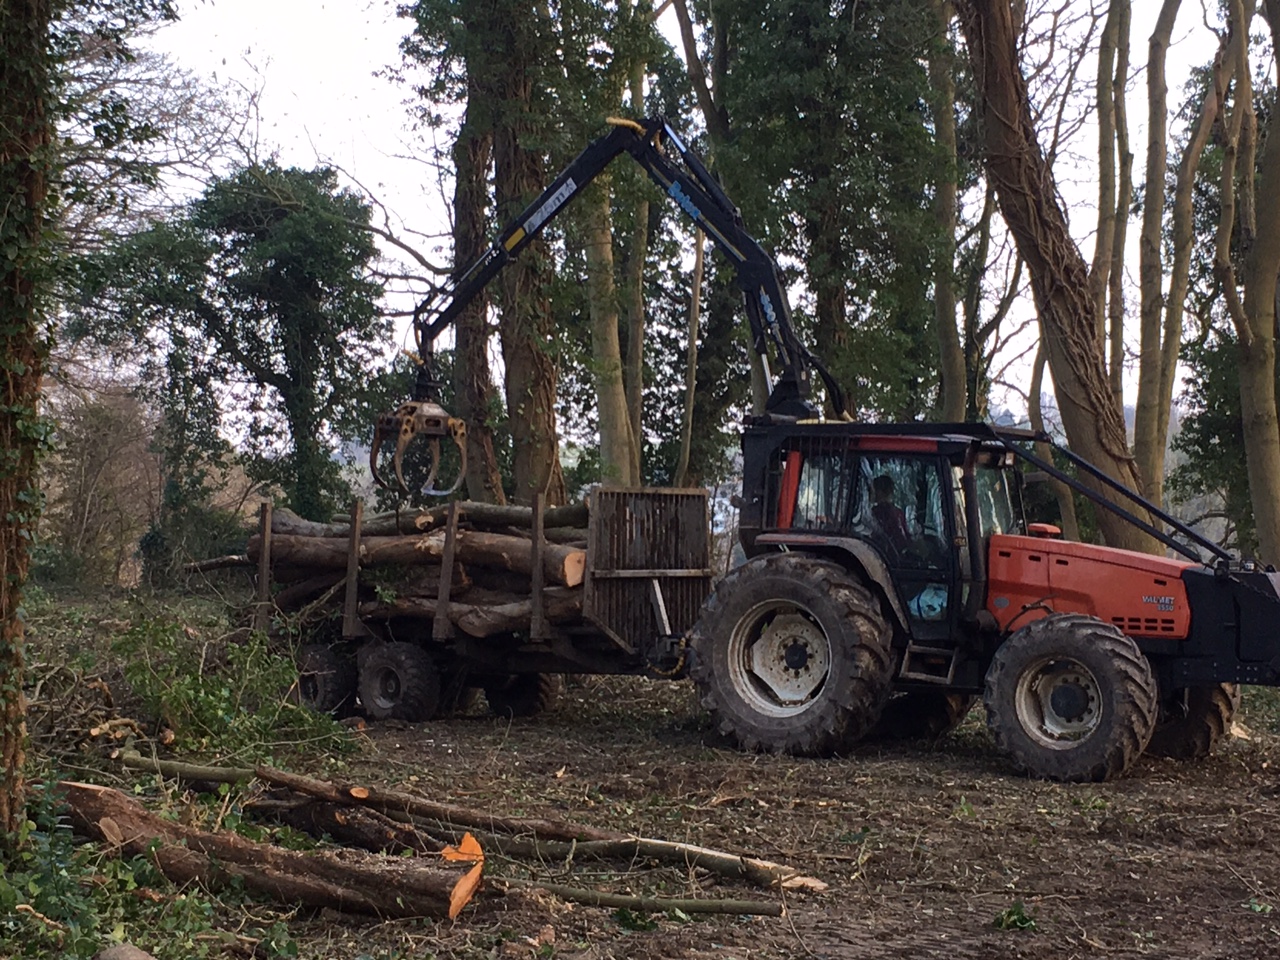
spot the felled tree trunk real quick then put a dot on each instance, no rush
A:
(562, 565)
(483, 620)
(345, 880)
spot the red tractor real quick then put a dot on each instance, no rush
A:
(892, 570)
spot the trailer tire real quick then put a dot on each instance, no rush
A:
(326, 679)
(792, 655)
(922, 715)
(399, 681)
(1192, 720)
(524, 694)
(1071, 698)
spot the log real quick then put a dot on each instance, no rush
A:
(563, 605)
(563, 565)
(763, 873)
(287, 523)
(477, 514)
(392, 801)
(346, 880)
(365, 828)
(297, 594)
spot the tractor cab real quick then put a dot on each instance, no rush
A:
(913, 505)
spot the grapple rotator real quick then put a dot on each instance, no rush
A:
(420, 417)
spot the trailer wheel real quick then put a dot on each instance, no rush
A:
(326, 679)
(922, 715)
(524, 694)
(1192, 720)
(399, 681)
(1071, 698)
(792, 656)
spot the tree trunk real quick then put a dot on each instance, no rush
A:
(942, 84)
(526, 330)
(1124, 198)
(606, 352)
(1104, 104)
(691, 361)
(1059, 276)
(561, 564)
(1061, 492)
(633, 304)
(25, 159)
(473, 382)
(1255, 319)
(1162, 317)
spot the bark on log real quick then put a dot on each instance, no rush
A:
(562, 565)
(298, 594)
(392, 801)
(480, 619)
(477, 514)
(342, 880)
(366, 829)
(287, 523)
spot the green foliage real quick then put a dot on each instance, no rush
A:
(1211, 438)
(255, 310)
(634, 921)
(1015, 917)
(229, 697)
(832, 161)
(91, 900)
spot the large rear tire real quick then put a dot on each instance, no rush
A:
(792, 655)
(1192, 720)
(399, 681)
(326, 679)
(1071, 698)
(524, 694)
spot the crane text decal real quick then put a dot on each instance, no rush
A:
(554, 203)
(682, 198)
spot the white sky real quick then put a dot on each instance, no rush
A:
(320, 100)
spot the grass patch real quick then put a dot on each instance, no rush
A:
(1260, 708)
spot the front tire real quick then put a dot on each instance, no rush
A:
(792, 655)
(1192, 720)
(1071, 698)
(399, 681)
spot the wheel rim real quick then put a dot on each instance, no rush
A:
(779, 658)
(387, 689)
(1059, 702)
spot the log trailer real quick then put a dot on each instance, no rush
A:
(891, 579)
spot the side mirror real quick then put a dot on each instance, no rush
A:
(1048, 531)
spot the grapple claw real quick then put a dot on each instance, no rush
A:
(412, 419)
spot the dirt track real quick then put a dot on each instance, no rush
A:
(923, 845)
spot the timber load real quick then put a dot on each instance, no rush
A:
(485, 591)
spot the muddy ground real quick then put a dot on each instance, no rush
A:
(924, 845)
